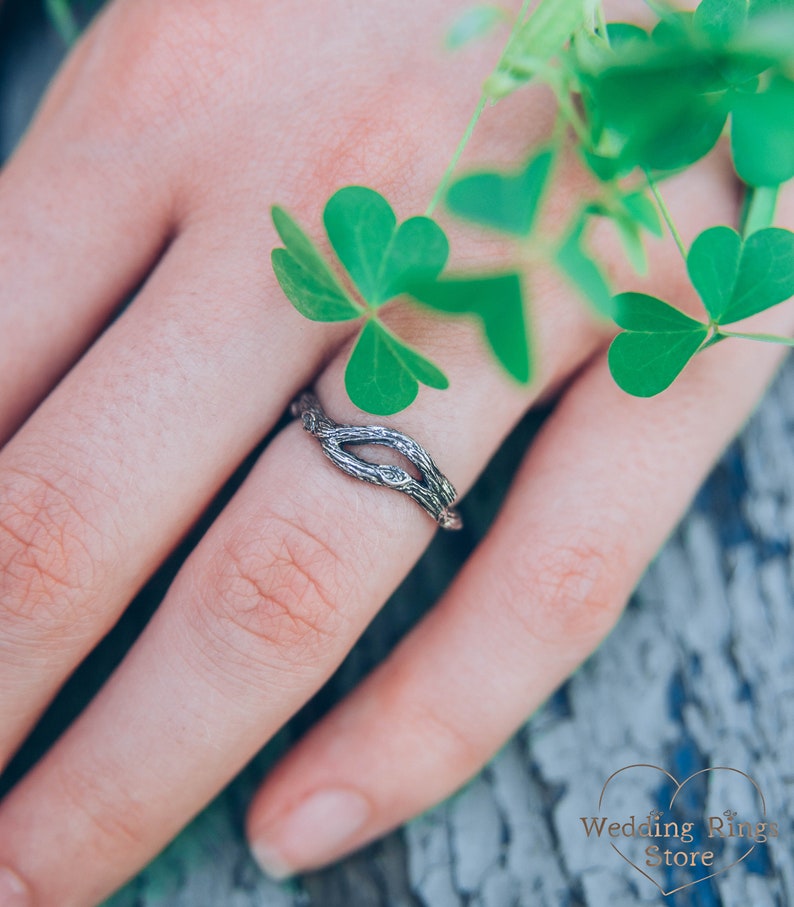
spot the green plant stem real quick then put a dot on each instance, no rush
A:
(522, 15)
(535, 252)
(665, 212)
(569, 111)
(469, 131)
(764, 338)
(758, 210)
(442, 186)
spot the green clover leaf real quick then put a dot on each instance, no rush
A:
(581, 270)
(737, 278)
(496, 302)
(631, 239)
(383, 373)
(378, 256)
(721, 20)
(635, 212)
(630, 213)
(762, 134)
(661, 107)
(603, 166)
(309, 284)
(642, 210)
(507, 202)
(769, 7)
(381, 259)
(656, 344)
(662, 103)
(620, 33)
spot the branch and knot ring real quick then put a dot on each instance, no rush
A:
(432, 491)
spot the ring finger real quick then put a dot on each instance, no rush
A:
(260, 615)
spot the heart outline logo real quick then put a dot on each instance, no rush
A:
(678, 788)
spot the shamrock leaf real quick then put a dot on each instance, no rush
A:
(659, 104)
(630, 213)
(673, 26)
(505, 202)
(642, 210)
(582, 271)
(589, 51)
(721, 20)
(636, 211)
(380, 257)
(655, 346)
(631, 240)
(769, 7)
(621, 33)
(665, 113)
(604, 166)
(383, 374)
(495, 301)
(308, 282)
(382, 260)
(737, 278)
(762, 134)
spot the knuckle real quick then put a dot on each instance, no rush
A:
(271, 593)
(146, 68)
(45, 560)
(576, 591)
(145, 104)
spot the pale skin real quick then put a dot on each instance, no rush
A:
(157, 153)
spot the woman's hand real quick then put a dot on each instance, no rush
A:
(161, 146)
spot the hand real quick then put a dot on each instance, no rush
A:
(157, 153)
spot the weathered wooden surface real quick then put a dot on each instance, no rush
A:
(699, 672)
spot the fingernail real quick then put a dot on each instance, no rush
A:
(312, 833)
(13, 891)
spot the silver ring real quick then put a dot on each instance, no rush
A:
(432, 491)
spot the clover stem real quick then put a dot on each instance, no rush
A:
(535, 251)
(464, 141)
(442, 186)
(758, 210)
(569, 111)
(665, 212)
(763, 338)
(522, 15)
(712, 337)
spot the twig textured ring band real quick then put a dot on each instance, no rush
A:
(433, 491)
